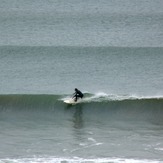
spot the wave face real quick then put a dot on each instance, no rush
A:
(124, 105)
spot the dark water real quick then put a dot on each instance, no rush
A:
(42, 127)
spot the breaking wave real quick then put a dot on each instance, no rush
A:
(101, 98)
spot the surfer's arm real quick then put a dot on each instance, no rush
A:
(74, 94)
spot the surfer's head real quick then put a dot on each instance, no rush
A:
(76, 89)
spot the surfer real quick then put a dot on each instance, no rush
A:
(77, 94)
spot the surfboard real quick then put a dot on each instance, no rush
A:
(72, 101)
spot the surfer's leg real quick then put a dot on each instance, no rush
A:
(76, 98)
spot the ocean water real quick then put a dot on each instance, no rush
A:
(112, 51)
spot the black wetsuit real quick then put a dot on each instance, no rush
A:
(78, 94)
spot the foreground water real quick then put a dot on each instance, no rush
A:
(41, 128)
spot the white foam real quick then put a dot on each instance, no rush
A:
(101, 96)
(159, 149)
(77, 160)
(91, 139)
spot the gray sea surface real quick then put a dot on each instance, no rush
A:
(111, 50)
